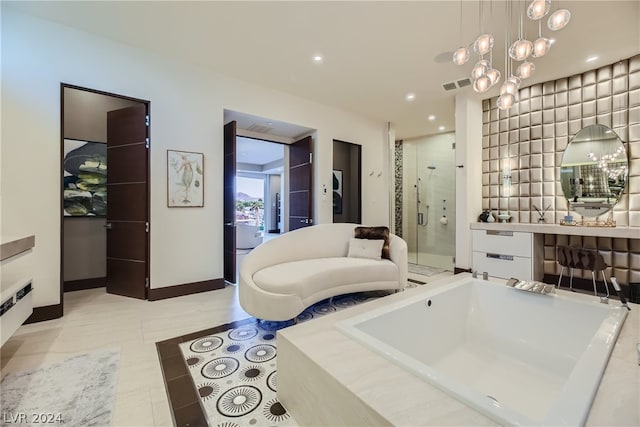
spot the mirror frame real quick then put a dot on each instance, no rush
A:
(572, 169)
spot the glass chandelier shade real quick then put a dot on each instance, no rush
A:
(540, 47)
(525, 70)
(480, 69)
(511, 85)
(483, 44)
(538, 9)
(516, 46)
(494, 76)
(559, 19)
(505, 101)
(520, 50)
(461, 56)
(482, 84)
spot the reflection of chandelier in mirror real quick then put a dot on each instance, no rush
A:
(485, 76)
(604, 163)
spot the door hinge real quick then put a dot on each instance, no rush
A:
(146, 227)
(146, 282)
(146, 142)
(453, 145)
(310, 157)
(146, 120)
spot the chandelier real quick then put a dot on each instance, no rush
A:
(484, 75)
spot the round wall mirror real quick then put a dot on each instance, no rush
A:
(594, 171)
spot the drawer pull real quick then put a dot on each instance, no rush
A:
(499, 256)
(499, 233)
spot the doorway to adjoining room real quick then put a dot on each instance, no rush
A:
(259, 190)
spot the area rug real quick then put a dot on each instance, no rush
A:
(235, 370)
(79, 391)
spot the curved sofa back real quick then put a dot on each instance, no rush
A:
(317, 241)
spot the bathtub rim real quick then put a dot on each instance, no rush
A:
(573, 392)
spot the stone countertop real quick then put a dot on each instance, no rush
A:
(621, 231)
(388, 388)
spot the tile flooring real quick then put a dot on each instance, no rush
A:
(95, 320)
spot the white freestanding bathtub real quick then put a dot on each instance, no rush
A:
(518, 357)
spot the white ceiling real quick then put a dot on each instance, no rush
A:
(375, 52)
(256, 152)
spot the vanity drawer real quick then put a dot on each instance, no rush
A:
(516, 243)
(502, 265)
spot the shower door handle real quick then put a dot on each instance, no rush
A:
(420, 218)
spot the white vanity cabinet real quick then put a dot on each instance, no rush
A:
(506, 254)
(16, 270)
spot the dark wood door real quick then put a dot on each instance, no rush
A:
(300, 184)
(229, 209)
(128, 201)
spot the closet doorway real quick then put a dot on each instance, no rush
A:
(347, 182)
(104, 192)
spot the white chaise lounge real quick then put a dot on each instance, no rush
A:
(282, 277)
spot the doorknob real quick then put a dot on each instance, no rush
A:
(108, 225)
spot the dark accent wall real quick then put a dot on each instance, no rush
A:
(346, 157)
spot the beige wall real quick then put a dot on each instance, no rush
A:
(187, 113)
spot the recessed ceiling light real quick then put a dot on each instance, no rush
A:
(410, 96)
(592, 58)
(431, 117)
(317, 58)
(441, 128)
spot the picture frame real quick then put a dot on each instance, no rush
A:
(337, 191)
(185, 179)
(84, 187)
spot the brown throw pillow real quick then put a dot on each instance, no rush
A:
(375, 233)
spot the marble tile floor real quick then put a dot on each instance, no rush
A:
(96, 320)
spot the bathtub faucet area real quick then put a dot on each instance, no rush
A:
(531, 286)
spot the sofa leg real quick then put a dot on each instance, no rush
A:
(295, 320)
(330, 300)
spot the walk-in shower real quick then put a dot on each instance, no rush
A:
(428, 200)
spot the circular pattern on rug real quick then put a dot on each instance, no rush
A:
(361, 297)
(274, 411)
(228, 424)
(233, 348)
(206, 344)
(220, 367)
(239, 401)
(304, 316)
(272, 381)
(252, 373)
(208, 390)
(260, 353)
(268, 337)
(243, 333)
(345, 302)
(194, 360)
(323, 309)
